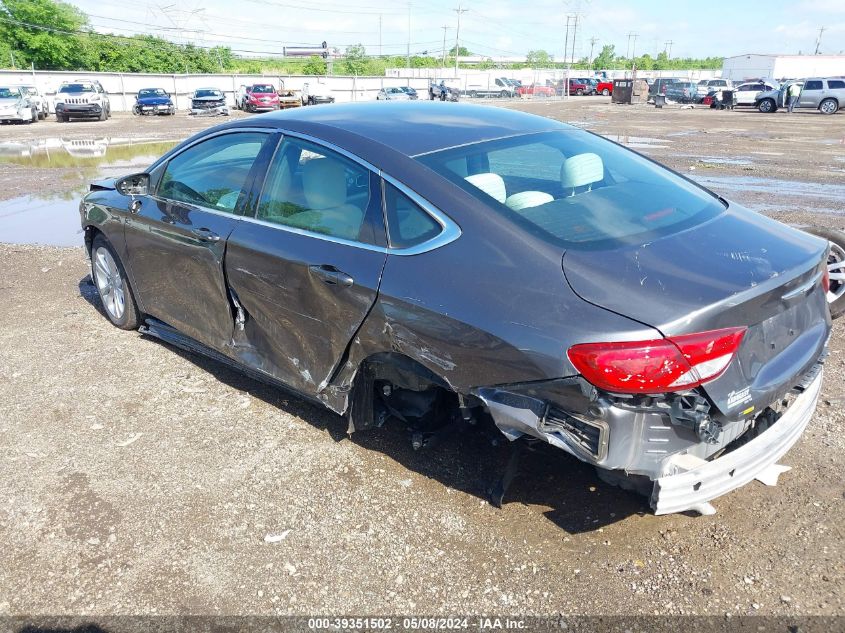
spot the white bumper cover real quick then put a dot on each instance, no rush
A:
(690, 483)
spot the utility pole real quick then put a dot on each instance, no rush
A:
(667, 48)
(379, 34)
(634, 49)
(819, 40)
(574, 33)
(628, 49)
(566, 41)
(459, 11)
(593, 41)
(408, 53)
(445, 28)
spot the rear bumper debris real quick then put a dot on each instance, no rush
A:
(690, 483)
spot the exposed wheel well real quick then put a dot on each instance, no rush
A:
(91, 232)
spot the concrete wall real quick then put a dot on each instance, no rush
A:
(744, 67)
(123, 87)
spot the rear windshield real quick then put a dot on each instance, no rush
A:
(261, 88)
(76, 88)
(575, 188)
(208, 93)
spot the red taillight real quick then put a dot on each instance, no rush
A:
(657, 366)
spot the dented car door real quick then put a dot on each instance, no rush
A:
(176, 237)
(306, 268)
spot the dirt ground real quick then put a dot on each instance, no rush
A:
(138, 479)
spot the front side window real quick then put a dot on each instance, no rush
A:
(576, 189)
(312, 188)
(212, 173)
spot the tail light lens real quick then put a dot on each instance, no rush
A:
(657, 366)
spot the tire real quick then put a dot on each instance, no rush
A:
(828, 106)
(109, 278)
(605, 92)
(766, 106)
(136, 109)
(103, 115)
(473, 94)
(61, 118)
(33, 116)
(835, 266)
(579, 92)
(503, 94)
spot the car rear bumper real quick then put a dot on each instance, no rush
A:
(691, 483)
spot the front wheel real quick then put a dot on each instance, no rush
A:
(605, 92)
(835, 267)
(766, 106)
(112, 286)
(829, 106)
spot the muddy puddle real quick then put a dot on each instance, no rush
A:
(638, 142)
(763, 194)
(53, 218)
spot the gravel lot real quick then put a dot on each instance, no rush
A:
(138, 479)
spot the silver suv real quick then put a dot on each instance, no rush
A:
(825, 95)
(81, 98)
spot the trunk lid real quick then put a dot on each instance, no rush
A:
(738, 269)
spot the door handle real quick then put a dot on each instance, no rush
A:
(206, 235)
(134, 206)
(331, 275)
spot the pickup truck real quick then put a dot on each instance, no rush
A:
(824, 95)
(605, 88)
(535, 90)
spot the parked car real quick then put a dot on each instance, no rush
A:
(706, 85)
(289, 98)
(392, 94)
(209, 102)
(556, 322)
(442, 92)
(316, 92)
(15, 106)
(605, 88)
(580, 87)
(412, 94)
(746, 94)
(826, 95)
(258, 98)
(659, 85)
(81, 99)
(682, 92)
(499, 87)
(535, 90)
(35, 96)
(153, 101)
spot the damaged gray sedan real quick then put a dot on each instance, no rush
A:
(443, 265)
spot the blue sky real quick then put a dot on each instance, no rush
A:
(490, 27)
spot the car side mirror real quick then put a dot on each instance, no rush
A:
(134, 185)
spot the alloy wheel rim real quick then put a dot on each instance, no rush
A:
(109, 283)
(836, 270)
(827, 107)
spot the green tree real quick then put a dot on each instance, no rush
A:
(539, 58)
(606, 58)
(314, 66)
(43, 32)
(355, 61)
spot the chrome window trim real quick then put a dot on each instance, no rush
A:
(450, 230)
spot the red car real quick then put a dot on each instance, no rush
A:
(536, 90)
(605, 88)
(260, 97)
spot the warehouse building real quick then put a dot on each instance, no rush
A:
(743, 67)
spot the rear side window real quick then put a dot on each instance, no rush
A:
(576, 189)
(212, 173)
(813, 85)
(835, 84)
(407, 224)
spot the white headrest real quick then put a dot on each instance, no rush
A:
(527, 199)
(581, 170)
(324, 183)
(491, 184)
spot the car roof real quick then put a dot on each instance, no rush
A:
(413, 128)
